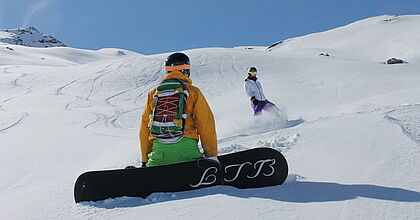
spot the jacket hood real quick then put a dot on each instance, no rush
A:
(177, 75)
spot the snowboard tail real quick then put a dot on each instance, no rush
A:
(251, 168)
(141, 182)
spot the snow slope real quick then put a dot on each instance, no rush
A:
(352, 136)
(374, 39)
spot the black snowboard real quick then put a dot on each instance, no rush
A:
(251, 168)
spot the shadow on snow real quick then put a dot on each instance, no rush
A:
(296, 192)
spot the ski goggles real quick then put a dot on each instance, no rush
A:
(180, 67)
(253, 73)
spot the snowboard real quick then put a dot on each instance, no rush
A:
(253, 168)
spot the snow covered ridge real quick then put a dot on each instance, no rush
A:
(374, 39)
(29, 37)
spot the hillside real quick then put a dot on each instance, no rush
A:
(373, 39)
(352, 136)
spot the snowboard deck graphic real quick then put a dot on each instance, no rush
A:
(253, 168)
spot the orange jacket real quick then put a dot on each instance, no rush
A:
(198, 125)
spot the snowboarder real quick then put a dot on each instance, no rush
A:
(255, 92)
(175, 117)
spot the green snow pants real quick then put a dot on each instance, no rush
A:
(166, 153)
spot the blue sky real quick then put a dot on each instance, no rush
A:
(158, 26)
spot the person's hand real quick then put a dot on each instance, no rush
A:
(254, 100)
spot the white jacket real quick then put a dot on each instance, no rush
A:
(254, 88)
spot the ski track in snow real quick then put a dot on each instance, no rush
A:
(95, 84)
(7, 124)
(408, 118)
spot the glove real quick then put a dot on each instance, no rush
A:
(143, 164)
(254, 100)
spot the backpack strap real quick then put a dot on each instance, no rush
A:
(182, 115)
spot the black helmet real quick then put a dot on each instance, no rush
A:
(178, 59)
(252, 69)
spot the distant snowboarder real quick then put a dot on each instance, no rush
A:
(255, 92)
